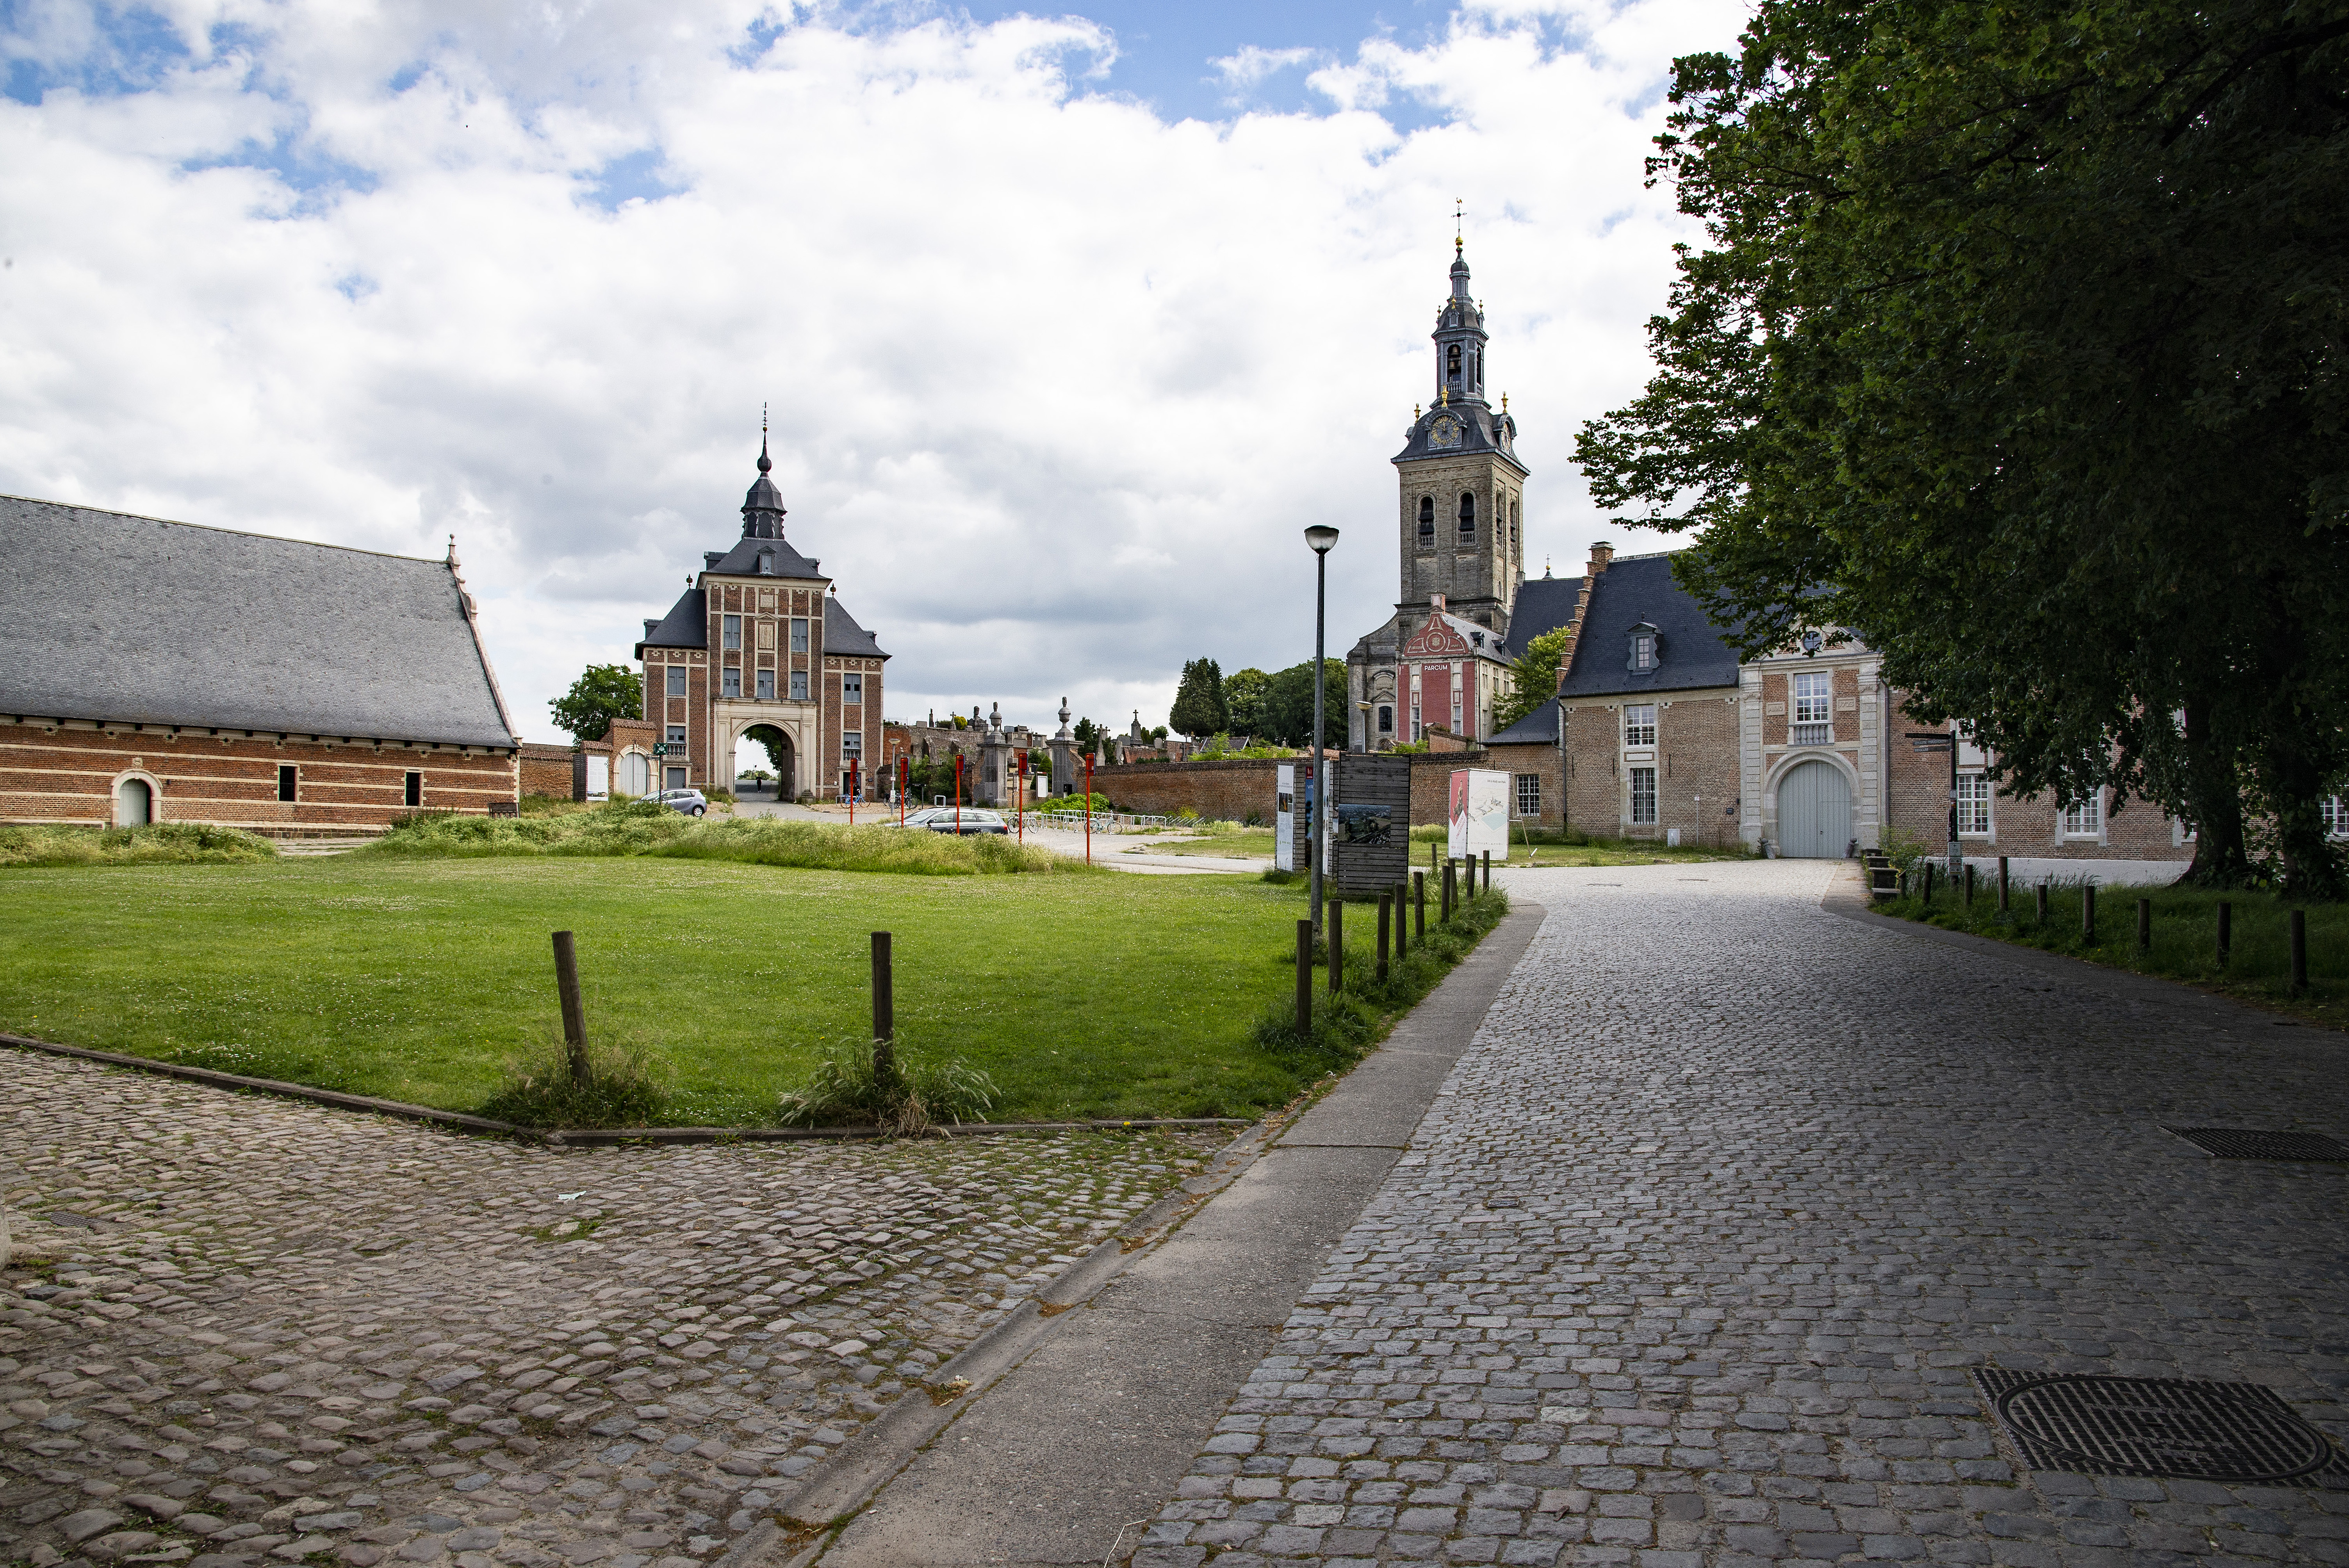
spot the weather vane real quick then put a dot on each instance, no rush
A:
(1459, 223)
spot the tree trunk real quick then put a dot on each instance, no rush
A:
(2214, 787)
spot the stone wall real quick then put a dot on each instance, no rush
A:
(1230, 790)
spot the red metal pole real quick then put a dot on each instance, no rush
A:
(1019, 800)
(852, 791)
(1088, 809)
(905, 771)
(957, 794)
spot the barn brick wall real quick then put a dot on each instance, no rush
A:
(66, 772)
(546, 770)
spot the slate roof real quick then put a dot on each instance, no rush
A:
(1481, 429)
(1690, 651)
(686, 625)
(743, 561)
(1544, 605)
(106, 615)
(1539, 725)
(842, 634)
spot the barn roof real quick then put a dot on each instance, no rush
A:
(108, 615)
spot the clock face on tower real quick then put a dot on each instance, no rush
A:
(1444, 432)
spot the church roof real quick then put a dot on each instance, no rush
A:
(1473, 426)
(1543, 605)
(108, 615)
(1641, 590)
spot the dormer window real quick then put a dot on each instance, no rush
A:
(766, 563)
(1427, 521)
(1451, 363)
(1646, 648)
(1467, 516)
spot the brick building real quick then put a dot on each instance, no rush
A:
(760, 647)
(157, 671)
(1663, 732)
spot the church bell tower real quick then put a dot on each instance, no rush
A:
(1461, 486)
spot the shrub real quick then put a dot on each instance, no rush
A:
(901, 1091)
(158, 843)
(622, 1090)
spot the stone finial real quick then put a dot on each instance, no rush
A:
(1065, 734)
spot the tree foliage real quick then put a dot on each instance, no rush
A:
(2017, 352)
(1535, 679)
(1244, 697)
(1289, 705)
(604, 693)
(1200, 706)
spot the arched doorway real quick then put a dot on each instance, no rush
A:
(633, 775)
(781, 758)
(1815, 812)
(134, 803)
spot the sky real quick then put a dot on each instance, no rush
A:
(1066, 325)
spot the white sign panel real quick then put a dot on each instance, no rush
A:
(1284, 819)
(1480, 813)
(599, 776)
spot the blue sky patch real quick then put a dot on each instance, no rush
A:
(626, 178)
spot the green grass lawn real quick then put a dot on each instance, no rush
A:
(418, 980)
(1243, 844)
(2185, 938)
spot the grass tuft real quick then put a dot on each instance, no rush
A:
(644, 828)
(160, 843)
(906, 1094)
(1345, 1027)
(623, 1090)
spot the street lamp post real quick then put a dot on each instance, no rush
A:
(1321, 537)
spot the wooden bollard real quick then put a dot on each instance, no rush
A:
(2226, 932)
(2088, 914)
(2299, 952)
(1488, 870)
(1970, 884)
(1451, 888)
(2042, 910)
(2145, 925)
(1305, 979)
(1929, 884)
(1419, 908)
(1337, 944)
(1386, 901)
(575, 1014)
(1402, 903)
(884, 1007)
(2001, 884)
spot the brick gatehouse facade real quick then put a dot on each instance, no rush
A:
(760, 646)
(157, 671)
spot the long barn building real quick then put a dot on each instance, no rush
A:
(159, 671)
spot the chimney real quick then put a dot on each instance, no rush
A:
(1601, 553)
(1436, 602)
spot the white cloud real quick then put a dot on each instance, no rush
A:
(1055, 384)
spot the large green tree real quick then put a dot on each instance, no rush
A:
(1289, 705)
(1535, 679)
(1200, 709)
(604, 693)
(1243, 697)
(2017, 350)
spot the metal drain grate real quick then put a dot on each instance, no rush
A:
(2246, 1143)
(2236, 1432)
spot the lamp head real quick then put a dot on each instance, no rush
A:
(1321, 537)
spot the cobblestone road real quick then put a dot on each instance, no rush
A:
(280, 1331)
(1691, 1260)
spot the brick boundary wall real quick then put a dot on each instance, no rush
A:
(546, 770)
(67, 771)
(1230, 791)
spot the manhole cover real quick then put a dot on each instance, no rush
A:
(2241, 1143)
(2161, 1427)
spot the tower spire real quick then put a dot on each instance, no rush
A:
(762, 507)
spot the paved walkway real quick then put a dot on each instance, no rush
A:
(288, 1330)
(1693, 1258)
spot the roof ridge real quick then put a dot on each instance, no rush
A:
(1651, 556)
(210, 528)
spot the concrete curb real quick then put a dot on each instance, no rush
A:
(578, 1137)
(1395, 1084)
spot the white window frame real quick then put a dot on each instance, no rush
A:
(1529, 795)
(1811, 713)
(1638, 724)
(1973, 806)
(1643, 651)
(2083, 818)
(2336, 813)
(1635, 776)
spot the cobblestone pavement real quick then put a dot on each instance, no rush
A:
(277, 1331)
(1691, 1260)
